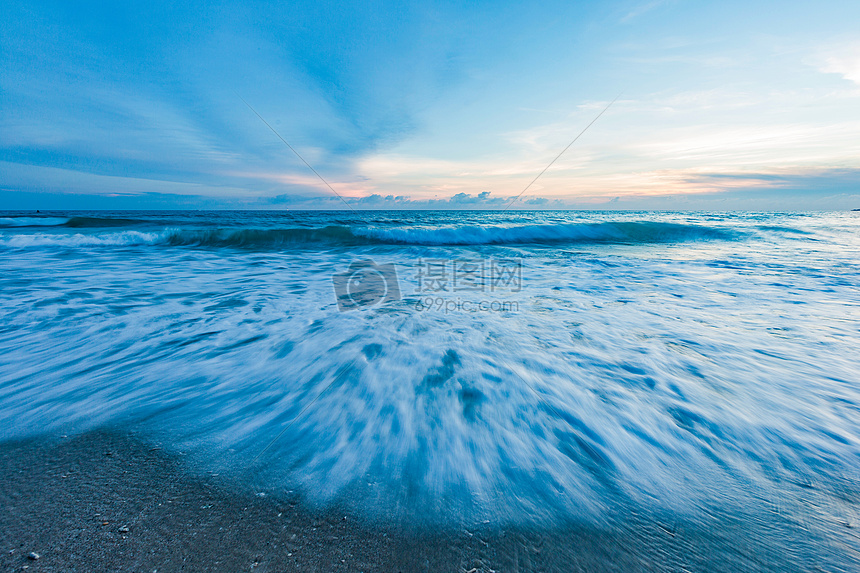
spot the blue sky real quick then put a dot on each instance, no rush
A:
(726, 105)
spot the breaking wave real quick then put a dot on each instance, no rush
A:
(118, 239)
(32, 221)
(604, 232)
(265, 238)
(635, 232)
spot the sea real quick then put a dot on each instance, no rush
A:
(511, 367)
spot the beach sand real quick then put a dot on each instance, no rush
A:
(107, 501)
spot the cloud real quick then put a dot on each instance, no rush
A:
(466, 201)
(814, 183)
(822, 189)
(844, 61)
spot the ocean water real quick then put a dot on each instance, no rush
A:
(521, 367)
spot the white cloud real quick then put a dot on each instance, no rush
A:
(844, 61)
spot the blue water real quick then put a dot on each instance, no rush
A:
(684, 364)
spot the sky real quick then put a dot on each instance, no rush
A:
(728, 105)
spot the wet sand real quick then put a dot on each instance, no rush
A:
(109, 501)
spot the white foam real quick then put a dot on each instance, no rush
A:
(616, 231)
(32, 221)
(114, 239)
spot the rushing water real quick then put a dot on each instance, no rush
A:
(535, 366)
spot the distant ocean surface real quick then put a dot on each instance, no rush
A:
(526, 366)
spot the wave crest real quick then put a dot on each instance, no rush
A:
(264, 238)
(605, 232)
(118, 239)
(637, 232)
(32, 221)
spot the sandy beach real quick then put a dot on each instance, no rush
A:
(109, 501)
(106, 501)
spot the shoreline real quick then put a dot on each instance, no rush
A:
(111, 501)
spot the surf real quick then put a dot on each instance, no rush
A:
(611, 232)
